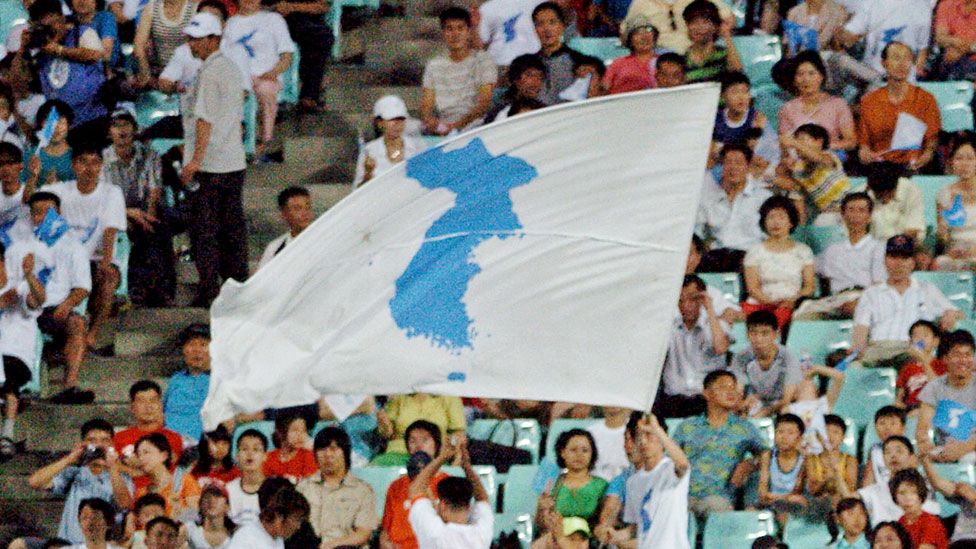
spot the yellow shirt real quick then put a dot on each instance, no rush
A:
(446, 412)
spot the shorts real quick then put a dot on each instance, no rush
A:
(57, 329)
(17, 374)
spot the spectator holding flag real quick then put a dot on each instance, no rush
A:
(948, 403)
(956, 210)
(50, 160)
(14, 213)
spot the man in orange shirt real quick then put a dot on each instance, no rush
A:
(423, 440)
(880, 110)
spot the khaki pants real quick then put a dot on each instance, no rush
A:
(885, 354)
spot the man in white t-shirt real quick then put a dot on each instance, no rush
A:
(279, 520)
(657, 494)
(453, 524)
(95, 210)
(295, 204)
(880, 22)
(14, 214)
(609, 437)
(506, 29)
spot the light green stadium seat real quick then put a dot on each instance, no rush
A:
(865, 390)
(604, 49)
(527, 433)
(153, 106)
(12, 13)
(522, 525)
(432, 140)
(955, 472)
(740, 337)
(250, 123)
(161, 146)
(968, 325)
(518, 498)
(800, 533)
(955, 103)
(819, 238)
(488, 477)
(692, 530)
(768, 99)
(737, 529)
(871, 436)
(819, 337)
(849, 446)
(858, 183)
(121, 252)
(34, 385)
(266, 428)
(559, 427)
(728, 283)
(334, 19)
(766, 430)
(289, 91)
(379, 478)
(958, 287)
(758, 55)
(930, 186)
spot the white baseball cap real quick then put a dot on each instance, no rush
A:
(390, 107)
(201, 25)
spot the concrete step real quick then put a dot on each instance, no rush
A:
(402, 60)
(263, 216)
(54, 428)
(35, 517)
(154, 331)
(362, 98)
(111, 377)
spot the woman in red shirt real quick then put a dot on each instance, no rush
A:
(293, 458)
(909, 490)
(215, 462)
(636, 71)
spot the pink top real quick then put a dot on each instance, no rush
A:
(832, 113)
(628, 74)
(951, 15)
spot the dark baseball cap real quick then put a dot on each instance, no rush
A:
(900, 245)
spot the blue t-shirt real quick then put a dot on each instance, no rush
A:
(105, 25)
(714, 453)
(615, 9)
(77, 484)
(184, 399)
(859, 543)
(77, 84)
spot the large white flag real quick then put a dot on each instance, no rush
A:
(539, 258)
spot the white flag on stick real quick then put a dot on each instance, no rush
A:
(536, 258)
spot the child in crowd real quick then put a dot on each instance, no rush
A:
(781, 471)
(146, 508)
(813, 174)
(909, 491)
(215, 462)
(889, 421)
(595, 69)
(733, 122)
(11, 131)
(852, 517)
(242, 492)
(923, 367)
(879, 498)
(832, 474)
(213, 529)
(811, 408)
(768, 372)
(293, 457)
(51, 163)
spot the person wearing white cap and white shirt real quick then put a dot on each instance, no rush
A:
(214, 164)
(392, 147)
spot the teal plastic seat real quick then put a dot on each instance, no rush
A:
(122, 251)
(12, 13)
(768, 99)
(559, 427)
(518, 498)
(250, 123)
(737, 529)
(34, 385)
(289, 91)
(266, 428)
(334, 19)
(692, 530)
(522, 525)
(758, 55)
(955, 103)
(819, 337)
(858, 183)
(930, 186)
(728, 283)
(380, 479)
(527, 433)
(819, 238)
(740, 337)
(766, 430)
(865, 390)
(153, 106)
(958, 287)
(954, 472)
(871, 436)
(800, 533)
(604, 49)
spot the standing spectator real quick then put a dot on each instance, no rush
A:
(526, 76)
(898, 205)
(956, 210)
(824, 16)
(704, 59)
(716, 444)
(95, 210)
(295, 205)
(136, 169)
(146, 406)
(159, 33)
(392, 147)
(279, 520)
(447, 412)
(242, 492)
(857, 261)
(947, 398)
(923, 366)
(259, 41)
(667, 18)
(292, 458)
(187, 389)
(307, 26)
(909, 491)
(812, 105)
(560, 60)
(813, 173)
(457, 86)
(670, 70)
(768, 371)
(214, 173)
(881, 108)
(505, 27)
(636, 71)
(955, 33)
(343, 507)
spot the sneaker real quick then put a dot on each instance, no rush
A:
(72, 395)
(8, 449)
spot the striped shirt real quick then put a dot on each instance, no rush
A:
(165, 34)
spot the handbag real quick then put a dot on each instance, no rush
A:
(501, 456)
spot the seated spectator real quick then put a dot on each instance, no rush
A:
(891, 535)
(878, 498)
(634, 72)
(67, 287)
(716, 444)
(162, 533)
(360, 425)
(187, 389)
(145, 509)
(291, 458)
(52, 162)
(559, 59)
(881, 109)
(343, 507)
(806, 77)
(945, 399)
(667, 19)
(832, 474)
(898, 204)
(146, 406)
(159, 33)
(136, 169)
(889, 421)
(157, 461)
(214, 528)
(392, 147)
(962, 493)
(826, 17)
(956, 211)
(258, 40)
(781, 478)
(814, 409)
(242, 492)
(423, 440)
(886, 311)
(732, 123)
(768, 372)
(71, 69)
(881, 26)
(813, 174)
(560, 533)
(728, 215)
(923, 366)
(670, 70)
(401, 411)
(704, 59)
(955, 34)
(698, 344)
(279, 520)
(95, 210)
(88, 15)
(779, 270)
(608, 434)
(852, 517)
(97, 519)
(457, 87)
(526, 75)
(215, 464)
(505, 27)
(726, 310)
(295, 205)
(576, 492)
(90, 470)
(909, 491)
(587, 70)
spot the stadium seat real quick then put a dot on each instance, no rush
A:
(740, 337)
(758, 55)
(35, 386)
(768, 99)
(289, 91)
(957, 286)
(604, 49)
(737, 529)
(153, 106)
(123, 248)
(692, 530)
(765, 427)
(819, 337)
(728, 283)
(930, 186)
(379, 478)
(11, 13)
(517, 495)
(250, 124)
(871, 436)
(522, 525)
(432, 140)
(955, 103)
(955, 472)
(559, 427)
(527, 435)
(865, 390)
(800, 533)
(818, 238)
(264, 427)
(488, 477)
(334, 19)
(858, 183)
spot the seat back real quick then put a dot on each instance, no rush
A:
(737, 529)
(728, 283)
(865, 390)
(758, 55)
(954, 472)
(955, 103)
(517, 495)
(604, 49)
(800, 533)
(956, 286)
(559, 427)
(488, 476)
(930, 185)
(819, 337)
(380, 479)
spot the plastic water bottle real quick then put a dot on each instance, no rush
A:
(191, 187)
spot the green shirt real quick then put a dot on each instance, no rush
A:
(581, 502)
(709, 69)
